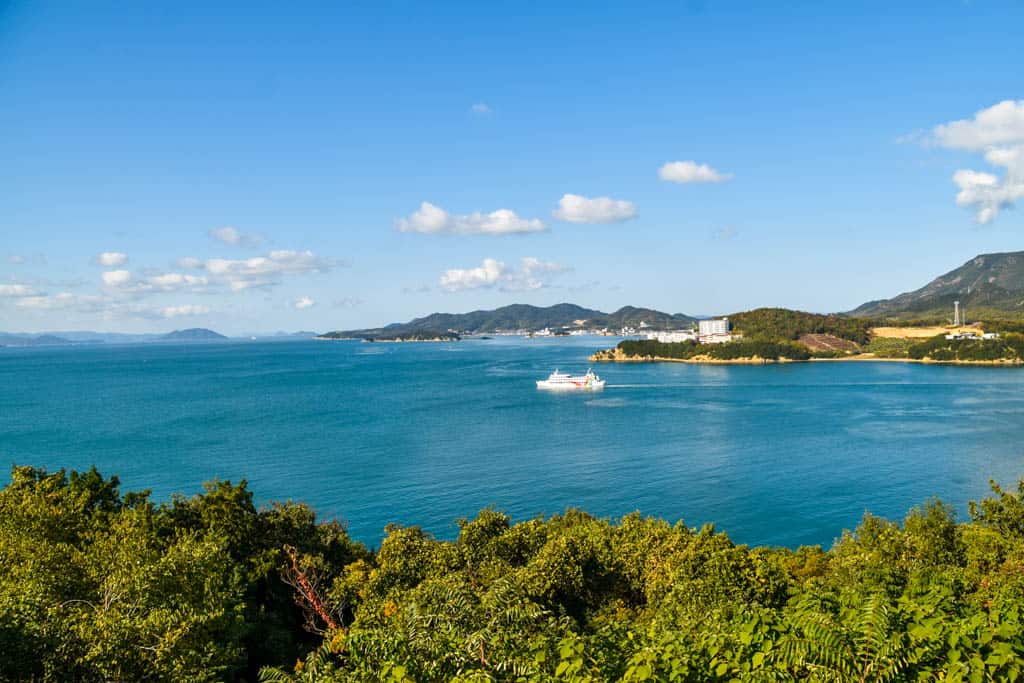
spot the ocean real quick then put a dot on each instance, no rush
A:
(425, 434)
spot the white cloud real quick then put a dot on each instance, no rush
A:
(110, 307)
(169, 282)
(16, 259)
(303, 302)
(998, 134)
(116, 278)
(486, 274)
(533, 271)
(430, 219)
(189, 262)
(577, 209)
(1000, 124)
(63, 300)
(481, 108)
(235, 237)
(17, 290)
(111, 259)
(531, 274)
(183, 310)
(691, 172)
(260, 271)
(216, 274)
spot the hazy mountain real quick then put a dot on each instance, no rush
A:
(90, 337)
(989, 284)
(526, 317)
(193, 334)
(32, 340)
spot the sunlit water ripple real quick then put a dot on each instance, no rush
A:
(417, 434)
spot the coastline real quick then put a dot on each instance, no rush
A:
(872, 358)
(616, 356)
(385, 341)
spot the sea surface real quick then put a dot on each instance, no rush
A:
(427, 433)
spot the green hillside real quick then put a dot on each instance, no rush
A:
(526, 317)
(988, 286)
(782, 323)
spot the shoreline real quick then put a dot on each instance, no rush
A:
(386, 341)
(614, 356)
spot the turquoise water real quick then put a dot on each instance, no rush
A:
(427, 433)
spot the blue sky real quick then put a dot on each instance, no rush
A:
(265, 166)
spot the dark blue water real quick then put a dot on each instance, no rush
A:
(427, 433)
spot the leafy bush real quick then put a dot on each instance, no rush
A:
(99, 585)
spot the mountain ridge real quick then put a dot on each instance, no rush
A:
(22, 340)
(986, 284)
(525, 317)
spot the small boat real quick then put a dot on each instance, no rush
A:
(561, 381)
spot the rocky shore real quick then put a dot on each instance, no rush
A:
(617, 356)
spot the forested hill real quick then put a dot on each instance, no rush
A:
(530, 318)
(989, 285)
(783, 323)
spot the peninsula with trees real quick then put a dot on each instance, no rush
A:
(927, 325)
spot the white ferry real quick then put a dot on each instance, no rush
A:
(560, 381)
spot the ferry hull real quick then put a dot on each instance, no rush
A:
(570, 386)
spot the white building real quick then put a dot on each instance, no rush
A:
(673, 336)
(713, 326)
(714, 331)
(717, 338)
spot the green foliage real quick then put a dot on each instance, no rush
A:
(1008, 347)
(782, 323)
(1002, 326)
(734, 350)
(889, 347)
(97, 585)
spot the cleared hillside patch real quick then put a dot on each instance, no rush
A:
(926, 332)
(827, 343)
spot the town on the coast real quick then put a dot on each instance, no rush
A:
(927, 325)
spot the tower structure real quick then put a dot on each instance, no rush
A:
(956, 313)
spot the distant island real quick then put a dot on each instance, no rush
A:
(422, 336)
(193, 334)
(912, 326)
(523, 319)
(20, 340)
(80, 338)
